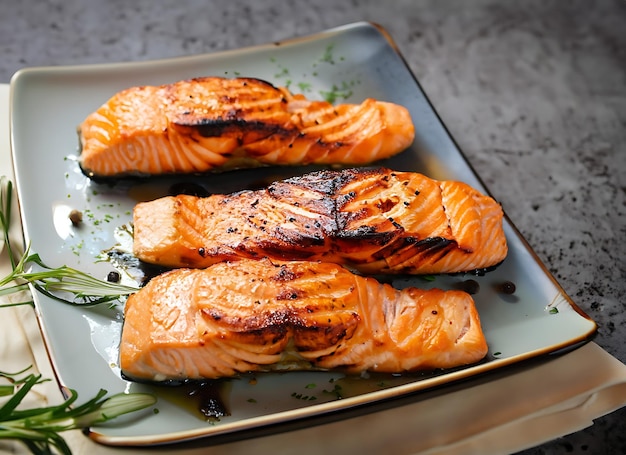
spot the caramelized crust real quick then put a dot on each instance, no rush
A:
(212, 123)
(376, 220)
(261, 315)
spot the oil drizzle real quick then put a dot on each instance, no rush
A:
(206, 400)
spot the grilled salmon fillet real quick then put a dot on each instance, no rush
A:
(373, 220)
(213, 123)
(260, 315)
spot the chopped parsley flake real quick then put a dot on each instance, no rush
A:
(336, 93)
(300, 396)
(304, 86)
(328, 54)
(336, 391)
(284, 72)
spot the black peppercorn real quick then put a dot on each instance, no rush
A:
(506, 287)
(113, 277)
(469, 286)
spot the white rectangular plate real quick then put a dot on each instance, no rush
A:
(358, 61)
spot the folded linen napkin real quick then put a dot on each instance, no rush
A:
(502, 412)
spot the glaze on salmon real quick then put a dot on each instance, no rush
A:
(212, 123)
(374, 220)
(258, 315)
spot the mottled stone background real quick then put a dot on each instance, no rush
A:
(534, 92)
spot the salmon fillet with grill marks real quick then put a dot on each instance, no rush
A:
(374, 220)
(212, 123)
(258, 315)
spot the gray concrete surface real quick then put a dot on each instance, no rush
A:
(533, 91)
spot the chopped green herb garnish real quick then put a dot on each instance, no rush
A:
(303, 397)
(336, 391)
(336, 93)
(328, 54)
(304, 86)
(283, 73)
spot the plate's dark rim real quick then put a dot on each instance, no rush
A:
(345, 407)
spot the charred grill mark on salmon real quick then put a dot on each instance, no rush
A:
(211, 124)
(375, 220)
(260, 315)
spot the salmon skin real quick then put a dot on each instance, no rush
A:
(261, 315)
(376, 221)
(213, 124)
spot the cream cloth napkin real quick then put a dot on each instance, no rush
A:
(501, 413)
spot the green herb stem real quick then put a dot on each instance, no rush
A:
(39, 428)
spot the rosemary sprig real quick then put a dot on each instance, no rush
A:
(39, 428)
(57, 282)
